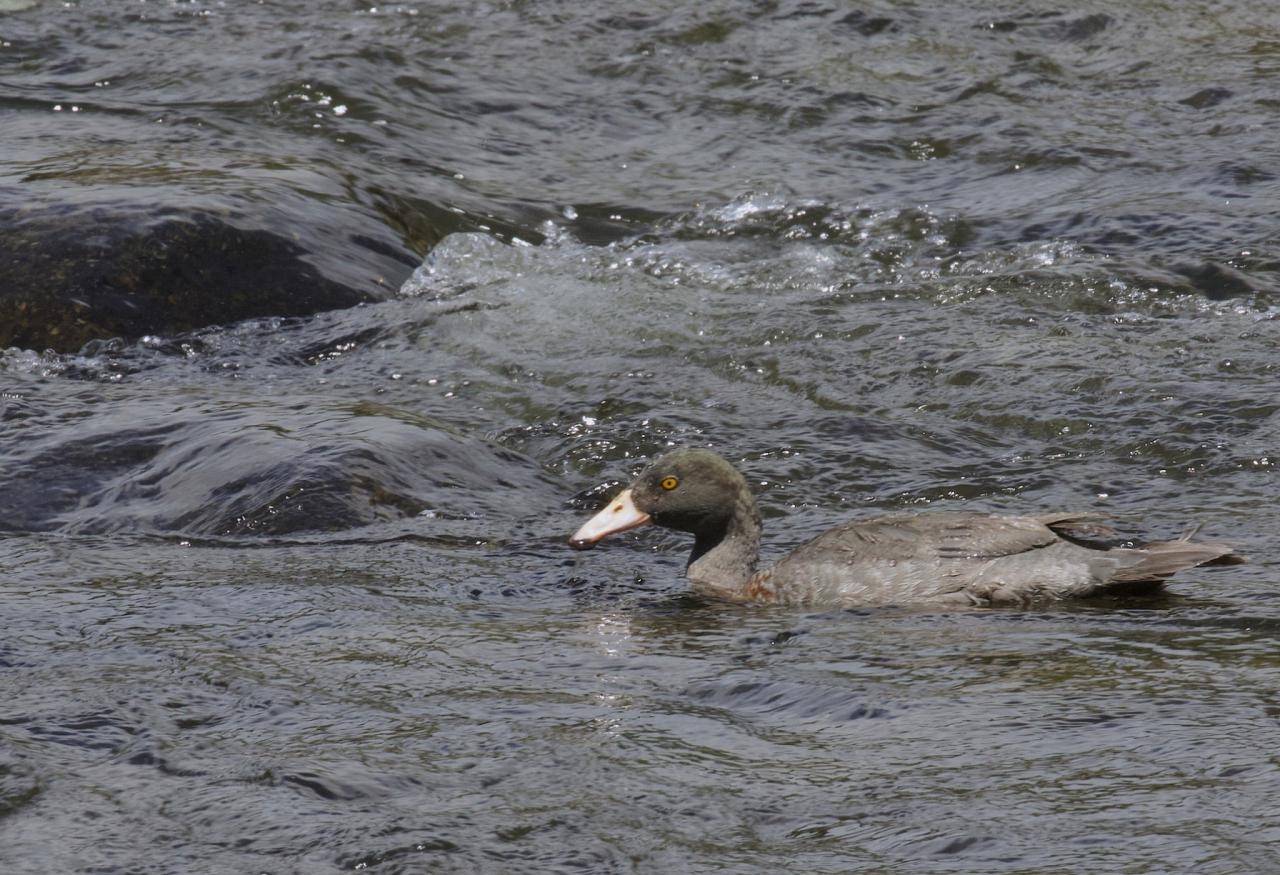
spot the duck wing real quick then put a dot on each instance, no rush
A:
(937, 535)
(969, 558)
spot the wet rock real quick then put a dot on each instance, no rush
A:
(73, 274)
(1207, 97)
(1215, 281)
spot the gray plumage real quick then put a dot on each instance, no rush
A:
(945, 557)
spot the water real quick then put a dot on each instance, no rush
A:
(293, 594)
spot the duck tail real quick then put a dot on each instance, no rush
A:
(1166, 558)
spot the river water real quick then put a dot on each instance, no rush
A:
(293, 594)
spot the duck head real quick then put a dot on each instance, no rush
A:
(691, 490)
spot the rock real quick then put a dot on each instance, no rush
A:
(73, 274)
(228, 469)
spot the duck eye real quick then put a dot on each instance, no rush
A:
(669, 483)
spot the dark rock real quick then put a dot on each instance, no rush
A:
(1217, 282)
(72, 274)
(1207, 97)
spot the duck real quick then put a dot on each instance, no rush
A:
(945, 558)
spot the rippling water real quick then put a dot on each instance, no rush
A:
(293, 594)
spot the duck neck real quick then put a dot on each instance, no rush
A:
(725, 555)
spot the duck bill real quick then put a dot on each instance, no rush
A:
(620, 515)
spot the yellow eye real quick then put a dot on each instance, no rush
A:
(669, 483)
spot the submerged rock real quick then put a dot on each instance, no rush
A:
(239, 470)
